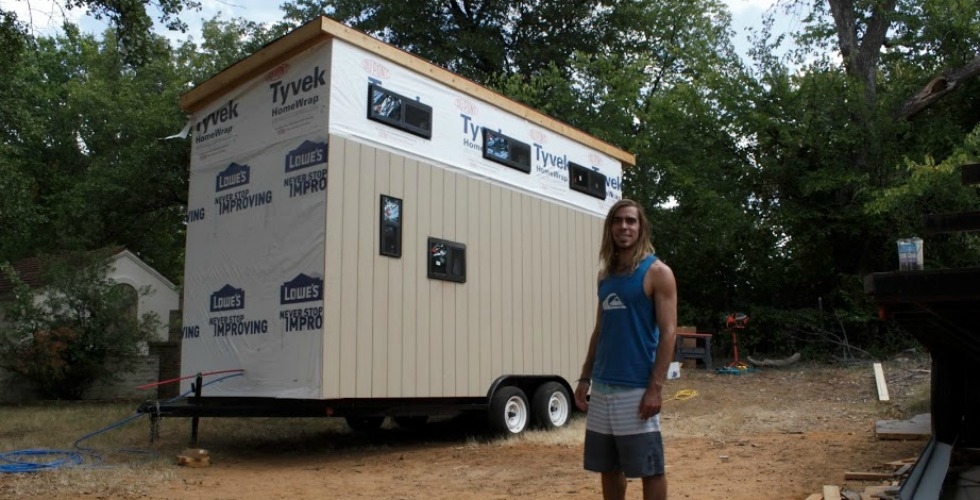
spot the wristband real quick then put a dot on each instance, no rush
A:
(585, 379)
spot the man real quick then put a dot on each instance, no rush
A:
(631, 348)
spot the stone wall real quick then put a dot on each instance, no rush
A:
(123, 385)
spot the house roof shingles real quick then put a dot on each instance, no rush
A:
(29, 271)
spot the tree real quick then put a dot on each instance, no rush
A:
(846, 169)
(84, 148)
(69, 334)
(131, 21)
(222, 44)
(659, 79)
(477, 39)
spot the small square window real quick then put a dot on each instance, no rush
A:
(586, 180)
(506, 150)
(446, 260)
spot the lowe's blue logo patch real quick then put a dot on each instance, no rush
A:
(306, 155)
(228, 298)
(234, 176)
(302, 288)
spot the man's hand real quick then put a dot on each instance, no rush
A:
(650, 404)
(581, 393)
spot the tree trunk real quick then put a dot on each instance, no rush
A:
(861, 56)
(937, 88)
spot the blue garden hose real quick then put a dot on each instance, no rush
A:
(36, 460)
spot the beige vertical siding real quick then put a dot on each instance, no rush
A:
(527, 307)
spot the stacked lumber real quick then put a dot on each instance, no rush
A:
(886, 489)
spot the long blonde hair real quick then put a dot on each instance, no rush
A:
(607, 251)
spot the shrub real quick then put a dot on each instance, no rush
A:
(67, 335)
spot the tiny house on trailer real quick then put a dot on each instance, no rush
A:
(370, 235)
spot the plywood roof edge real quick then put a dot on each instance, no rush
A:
(470, 87)
(320, 29)
(263, 59)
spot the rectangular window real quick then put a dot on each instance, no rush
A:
(586, 180)
(399, 111)
(391, 226)
(447, 260)
(506, 150)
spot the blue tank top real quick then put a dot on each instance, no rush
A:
(629, 332)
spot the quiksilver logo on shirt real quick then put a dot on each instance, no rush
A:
(612, 301)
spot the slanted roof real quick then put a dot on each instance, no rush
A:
(30, 271)
(322, 29)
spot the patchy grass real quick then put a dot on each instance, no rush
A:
(120, 461)
(791, 426)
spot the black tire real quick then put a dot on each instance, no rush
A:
(551, 406)
(364, 424)
(413, 422)
(509, 411)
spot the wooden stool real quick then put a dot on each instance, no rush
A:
(695, 346)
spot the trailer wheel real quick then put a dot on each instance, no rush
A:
(508, 411)
(413, 422)
(551, 406)
(364, 424)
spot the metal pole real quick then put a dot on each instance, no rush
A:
(198, 384)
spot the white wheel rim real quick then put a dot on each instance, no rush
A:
(515, 414)
(558, 409)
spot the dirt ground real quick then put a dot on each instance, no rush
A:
(773, 434)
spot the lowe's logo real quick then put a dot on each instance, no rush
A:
(233, 176)
(302, 288)
(228, 298)
(306, 155)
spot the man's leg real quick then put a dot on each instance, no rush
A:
(655, 487)
(613, 486)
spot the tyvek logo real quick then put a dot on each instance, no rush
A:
(611, 302)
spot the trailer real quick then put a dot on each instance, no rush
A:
(370, 235)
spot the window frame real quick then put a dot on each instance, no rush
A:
(456, 251)
(595, 181)
(511, 145)
(396, 224)
(404, 104)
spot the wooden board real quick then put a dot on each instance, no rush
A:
(868, 476)
(831, 492)
(917, 427)
(880, 382)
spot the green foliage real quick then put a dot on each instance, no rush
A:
(223, 43)
(845, 176)
(132, 24)
(65, 336)
(773, 189)
(83, 157)
(475, 39)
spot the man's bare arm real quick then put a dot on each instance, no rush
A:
(664, 294)
(585, 376)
